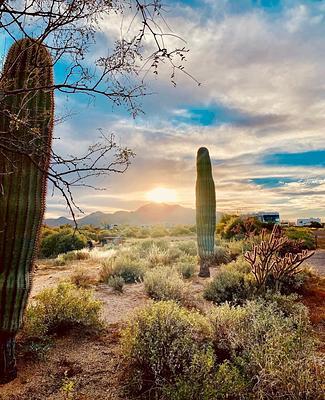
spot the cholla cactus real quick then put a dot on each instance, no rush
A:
(265, 261)
(26, 124)
(205, 210)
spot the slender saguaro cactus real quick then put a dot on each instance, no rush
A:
(205, 210)
(26, 125)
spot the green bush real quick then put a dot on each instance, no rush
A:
(237, 247)
(163, 344)
(275, 350)
(230, 382)
(180, 230)
(124, 264)
(187, 266)
(61, 242)
(165, 284)
(73, 256)
(221, 255)
(294, 283)
(303, 234)
(262, 350)
(56, 309)
(116, 283)
(158, 231)
(188, 247)
(232, 283)
(239, 227)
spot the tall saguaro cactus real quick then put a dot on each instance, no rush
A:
(205, 210)
(26, 125)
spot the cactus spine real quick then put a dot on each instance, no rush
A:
(26, 125)
(205, 210)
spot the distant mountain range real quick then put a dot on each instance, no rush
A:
(149, 214)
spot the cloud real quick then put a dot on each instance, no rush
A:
(262, 77)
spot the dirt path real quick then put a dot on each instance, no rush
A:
(318, 261)
(117, 307)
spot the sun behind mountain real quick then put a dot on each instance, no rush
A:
(162, 195)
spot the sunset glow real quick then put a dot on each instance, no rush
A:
(162, 195)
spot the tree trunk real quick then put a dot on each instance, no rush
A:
(204, 268)
(8, 370)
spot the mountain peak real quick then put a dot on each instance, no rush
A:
(148, 214)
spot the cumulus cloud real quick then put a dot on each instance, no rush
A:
(267, 70)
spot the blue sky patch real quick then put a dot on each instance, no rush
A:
(272, 182)
(307, 158)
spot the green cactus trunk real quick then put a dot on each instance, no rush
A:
(205, 210)
(26, 125)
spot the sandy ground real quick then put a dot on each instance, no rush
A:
(88, 365)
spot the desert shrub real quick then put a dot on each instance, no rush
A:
(274, 349)
(145, 245)
(158, 231)
(134, 232)
(230, 382)
(125, 265)
(294, 283)
(239, 227)
(56, 309)
(166, 346)
(262, 350)
(74, 256)
(187, 266)
(304, 235)
(292, 246)
(221, 255)
(188, 247)
(116, 283)
(156, 256)
(165, 284)
(237, 247)
(82, 277)
(62, 241)
(232, 283)
(180, 230)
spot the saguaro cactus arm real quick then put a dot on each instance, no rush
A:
(26, 124)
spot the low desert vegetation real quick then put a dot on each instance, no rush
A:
(61, 241)
(58, 309)
(165, 284)
(257, 351)
(233, 283)
(228, 337)
(116, 283)
(83, 277)
(125, 265)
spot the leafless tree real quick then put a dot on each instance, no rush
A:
(70, 30)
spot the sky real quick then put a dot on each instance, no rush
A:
(260, 110)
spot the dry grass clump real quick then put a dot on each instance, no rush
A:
(125, 264)
(166, 284)
(57, 309)
(82, 277)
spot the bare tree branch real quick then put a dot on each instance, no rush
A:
(70, 30)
